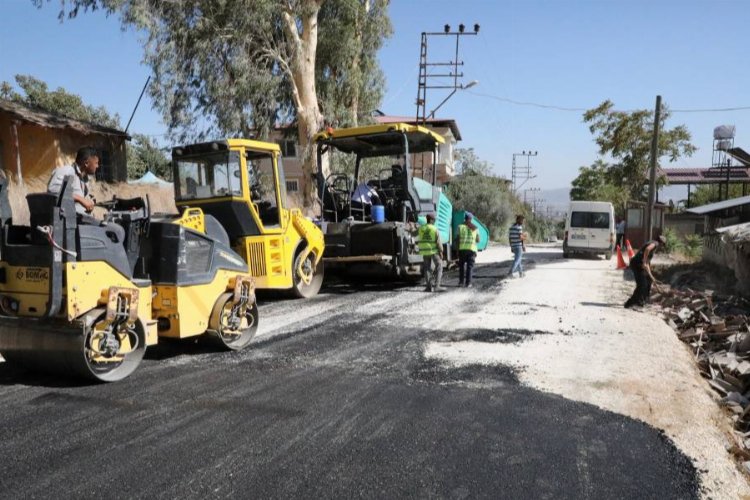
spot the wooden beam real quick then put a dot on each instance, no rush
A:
(14, 131)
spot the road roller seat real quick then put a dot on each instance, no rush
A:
(41, 207)
(41, 213)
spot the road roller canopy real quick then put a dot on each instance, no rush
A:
(380, 140)
(214, 170)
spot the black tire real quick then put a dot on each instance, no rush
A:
(301, 289)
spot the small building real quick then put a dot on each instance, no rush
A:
(635, 222)
(724, 213)
(708, 177)
(34, 142)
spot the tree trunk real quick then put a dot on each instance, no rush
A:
(303, 47)
(360, 21)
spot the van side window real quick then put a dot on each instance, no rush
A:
(599, 220)
(591, 220)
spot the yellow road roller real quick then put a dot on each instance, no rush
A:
(240, 184)
(83, 297)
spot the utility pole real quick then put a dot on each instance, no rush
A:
(453, 72)
(533, 201)
(521, 172)
(652, 175)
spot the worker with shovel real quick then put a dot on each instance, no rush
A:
(640, 264)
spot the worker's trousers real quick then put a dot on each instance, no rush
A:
(432, 270)
(642, 293)
(517, 260)
(466, 260)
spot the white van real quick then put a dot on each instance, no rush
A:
(589, 228)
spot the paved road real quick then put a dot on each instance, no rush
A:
(334, 399)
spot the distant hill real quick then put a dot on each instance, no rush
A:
(558, 198)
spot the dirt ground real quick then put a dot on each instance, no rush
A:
(588, 348)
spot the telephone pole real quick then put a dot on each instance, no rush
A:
(652, 175)
(521, 172)
(452, 67)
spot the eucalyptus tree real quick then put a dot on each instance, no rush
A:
(239, 67)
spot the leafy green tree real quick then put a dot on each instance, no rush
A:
(625, 137)
(144, 156)
(350, 81)
(233, 67)
(486, 197)
(597, 183)
(468, 162)
(35, 93)
(703, 195)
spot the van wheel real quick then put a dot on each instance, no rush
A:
(566, 255)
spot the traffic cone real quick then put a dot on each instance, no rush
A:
(620, 261)
(630, 249)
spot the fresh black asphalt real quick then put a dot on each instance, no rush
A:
(340, 405)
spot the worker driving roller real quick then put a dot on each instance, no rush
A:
(86, 164)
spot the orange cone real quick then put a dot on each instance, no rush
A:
(620, 261)
(630, 249)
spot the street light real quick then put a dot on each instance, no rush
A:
(460, 87)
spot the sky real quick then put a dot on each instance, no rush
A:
(547, 54)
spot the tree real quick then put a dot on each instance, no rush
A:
(350, 80)
(467, 162)
(626, 136)
(705, 194)
(144, 156)
(597, 183)
(234, 67)
(36, 94)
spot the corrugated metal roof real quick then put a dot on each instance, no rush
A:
(681, 176)
(720, 205)
(735, 233)
(740, 155)
(50, 120)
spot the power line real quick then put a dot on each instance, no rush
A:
(578, 110)
(708, 110)
(525, 103)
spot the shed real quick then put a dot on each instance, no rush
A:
(724, 213)
(33, 142)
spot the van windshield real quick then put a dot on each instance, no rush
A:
(590, 220)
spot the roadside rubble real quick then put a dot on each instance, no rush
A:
(716, 327)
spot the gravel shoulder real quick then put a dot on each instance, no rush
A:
(588, 348)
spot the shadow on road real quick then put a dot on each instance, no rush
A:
(11, 374)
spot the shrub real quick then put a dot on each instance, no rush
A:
(693, 246)
(673, 241)
(487, 198)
